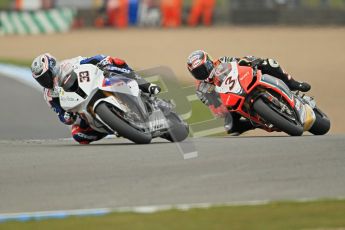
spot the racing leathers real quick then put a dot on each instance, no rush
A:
(235, 124)
(81, 131)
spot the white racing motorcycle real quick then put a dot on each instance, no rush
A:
(115, 105)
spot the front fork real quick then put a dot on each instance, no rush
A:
(268, 97)
(273, 100)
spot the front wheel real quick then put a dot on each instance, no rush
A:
(273, 117)
(178, 131)
(120, 126)
(321, 125)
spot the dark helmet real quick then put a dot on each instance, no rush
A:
(200, 65)
(44, 69)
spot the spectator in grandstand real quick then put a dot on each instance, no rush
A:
(117, 11)
(149, 13)
(171, 13)
(201, 8)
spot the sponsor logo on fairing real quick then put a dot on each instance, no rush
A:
(157, 124)
(118, 69)
(71, 99)
(88, 137)
(84, 76)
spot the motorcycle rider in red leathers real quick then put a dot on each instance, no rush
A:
(47, 71)
(201, 66)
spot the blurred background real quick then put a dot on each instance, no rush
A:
(305, 36)
(172, 13)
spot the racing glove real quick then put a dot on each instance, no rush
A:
(105, 62)
(108, 61)
(202, 97)
(203, 90)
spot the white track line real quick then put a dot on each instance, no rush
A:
(60, 214)
(21, 74)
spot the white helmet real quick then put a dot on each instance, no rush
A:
(44, 69)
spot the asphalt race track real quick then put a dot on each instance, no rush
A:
(39, 172)
(25, 115)
(60, 175)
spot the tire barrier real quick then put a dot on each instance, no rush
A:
(36, 22)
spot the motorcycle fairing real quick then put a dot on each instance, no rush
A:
(277, 83)
(121, 84)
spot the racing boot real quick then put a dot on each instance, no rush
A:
(242, 127)
(150, 88)
(235, 126)
(84, 134)
(272, 67)
(298, 86)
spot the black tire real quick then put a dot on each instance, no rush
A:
(321, 125)
(120, 126)
(276, 119)
(178, 131)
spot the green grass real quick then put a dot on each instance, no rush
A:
(24, 63)
(5, 4)
(336, 4)
(200, 112)
(327, 214)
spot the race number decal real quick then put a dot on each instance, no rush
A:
(230, 83)
(84, 76)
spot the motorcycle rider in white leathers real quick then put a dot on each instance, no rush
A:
(47, 71)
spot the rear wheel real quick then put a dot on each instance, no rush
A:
(273, 117)
(120, 126)
(321, 125)
(178, 131)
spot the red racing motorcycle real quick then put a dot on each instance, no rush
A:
(267, 101)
